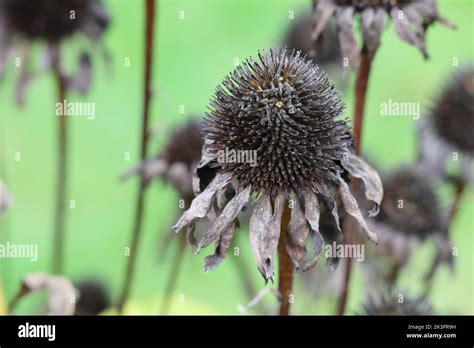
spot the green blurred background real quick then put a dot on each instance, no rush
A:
(193, 55)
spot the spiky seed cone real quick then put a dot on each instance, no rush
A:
(52, 20)
(410, 205)
(285, 109)
(184, 145)
(394, 302)
(453, 115)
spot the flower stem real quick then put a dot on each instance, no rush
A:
(285, 276)
(61, 180)
(176, 267)
(150, 20)
(360, 94)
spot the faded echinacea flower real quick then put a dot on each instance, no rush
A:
(272, 136)
(23, 22)
(410, 213)
(446, 135)
(410, 19)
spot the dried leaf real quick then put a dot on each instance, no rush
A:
(328, 193)
(179, 176)
(349, 47)
(200, 205)
(148, 169)
(358, 168)
(352, 208)
(226, 218)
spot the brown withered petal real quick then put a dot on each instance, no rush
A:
(265, 232)
(347, 40)
(410, 18)
(358, 168)
(201, 204)
(226, 218)
(282, 109)
(59, 289)
(352, 208)
(298, 231)
(223, 244)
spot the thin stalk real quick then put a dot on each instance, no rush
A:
(62, 166)
(176, 266)
(285, 276)
(360, 95)
(129, 272)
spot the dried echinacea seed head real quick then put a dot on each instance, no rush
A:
(53, 20)
(394, 302)
(445, 136)
(410, 212)
(410, 20)
(176, 162)
(272, 134)
(453, 114)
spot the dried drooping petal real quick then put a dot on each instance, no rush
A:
(226, 218)
(201, 203)
(410, 18)
(225, 239)
(265, 232)
(298, 231)
(62, 295)
(372, 25)
(358, 168)
(403, 27)
(322, 14)
(81, 81)
(352, 208)
(349, 47)
(311, 212)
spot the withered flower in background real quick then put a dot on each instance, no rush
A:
(23, 22)
(278, 114)
(410, 213)
(93, 297)
(446, 136)
(395, 302)
(410, 18)
(175, 163)
(325, 51)
(62, 295)
(51, 22)
(5, 197)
